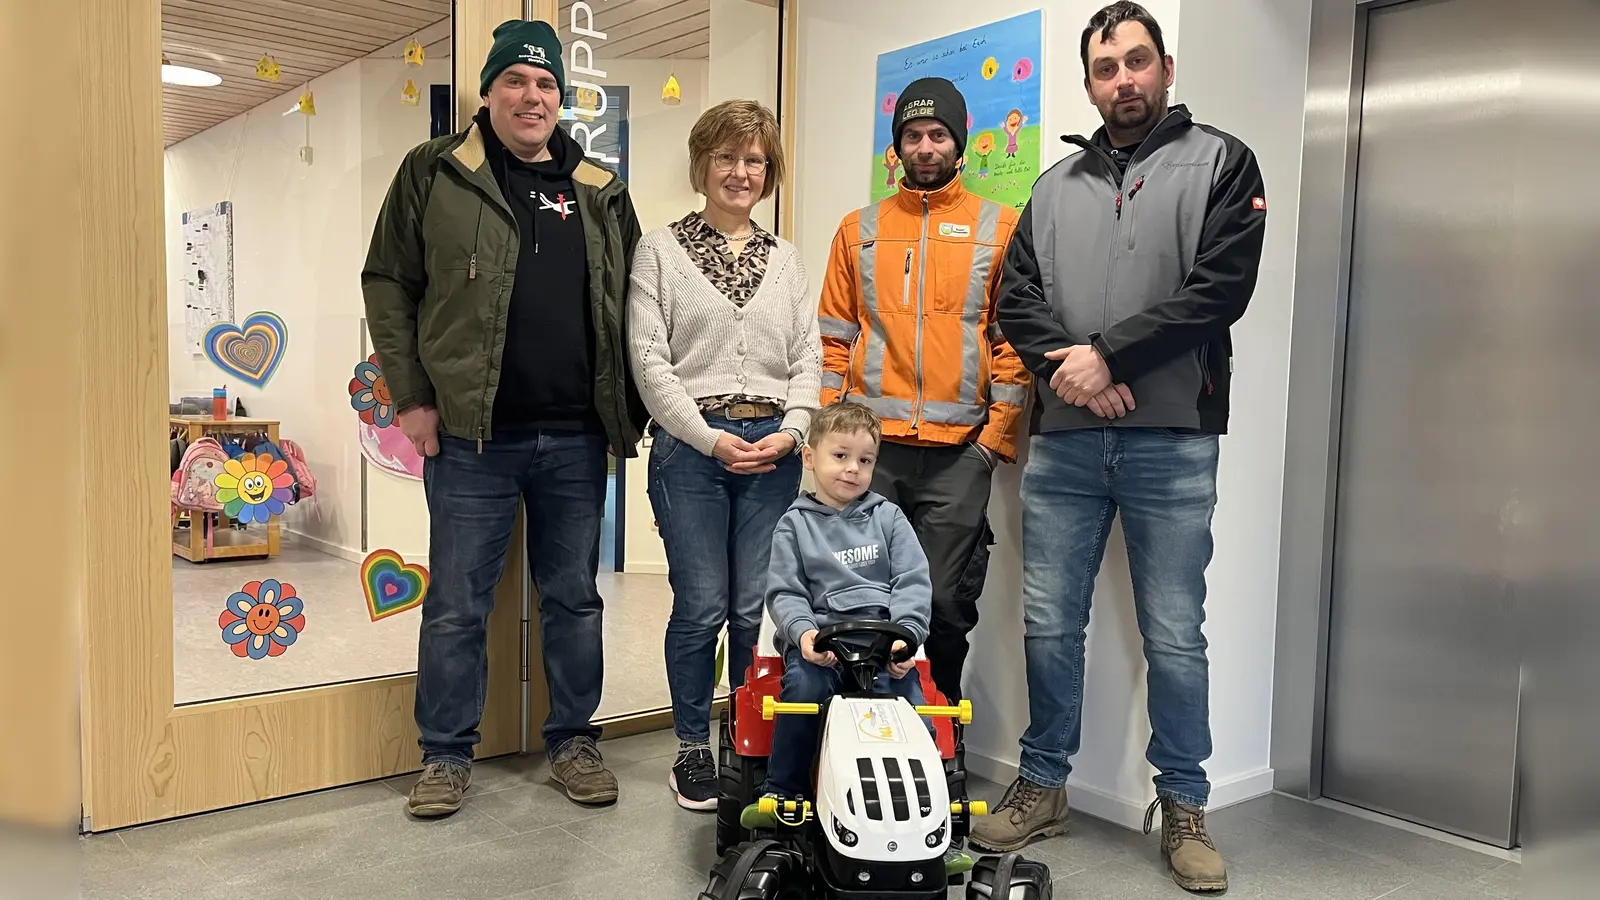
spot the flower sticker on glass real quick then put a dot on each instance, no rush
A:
(369, 394)
(262, 619)
(254, 487)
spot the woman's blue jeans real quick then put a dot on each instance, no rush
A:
(717, 528)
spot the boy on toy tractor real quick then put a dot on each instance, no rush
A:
(849, 597)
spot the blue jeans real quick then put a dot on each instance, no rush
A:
(717, 530)
(1164, 481)
(472, 505)
(795, 739)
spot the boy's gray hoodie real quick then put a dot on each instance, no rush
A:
(831, 566)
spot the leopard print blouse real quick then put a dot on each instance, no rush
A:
(737, 277)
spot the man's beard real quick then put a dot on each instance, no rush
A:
(1133, 117)
(945, 173)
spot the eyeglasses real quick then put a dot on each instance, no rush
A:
(725, 162)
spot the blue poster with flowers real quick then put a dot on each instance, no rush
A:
(998, 70)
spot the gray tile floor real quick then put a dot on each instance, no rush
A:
(518, 839)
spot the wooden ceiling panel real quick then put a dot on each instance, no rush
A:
(307, 38)
(646, 29)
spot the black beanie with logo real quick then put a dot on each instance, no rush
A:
(935, 98)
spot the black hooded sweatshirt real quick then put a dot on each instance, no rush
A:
(547, 369)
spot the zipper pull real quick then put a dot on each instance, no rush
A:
(472, 267)
(1136, 185)
(480, 446)
(909, 251)
(1119, 206)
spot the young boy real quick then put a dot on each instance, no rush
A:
(842, 553)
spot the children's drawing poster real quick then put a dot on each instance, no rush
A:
(207, 271)
(998, 69)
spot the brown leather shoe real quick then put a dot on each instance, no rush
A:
(1191, 857)
(1028, 811)
(579, 769)
(440, 789)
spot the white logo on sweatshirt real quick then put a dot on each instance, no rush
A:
(560, 204)
(857, 556)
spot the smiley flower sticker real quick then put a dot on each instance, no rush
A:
(254, 488)
(369, 394)
(262, 619)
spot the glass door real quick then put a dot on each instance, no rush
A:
(251, 627)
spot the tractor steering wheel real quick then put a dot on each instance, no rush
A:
(864, 661)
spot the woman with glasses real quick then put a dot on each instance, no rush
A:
(728, 360)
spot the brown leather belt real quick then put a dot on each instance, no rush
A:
(748, 410)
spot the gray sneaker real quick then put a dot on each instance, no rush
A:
(1028, 811)
(579, 769)
(438, 792)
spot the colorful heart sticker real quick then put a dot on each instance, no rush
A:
(391, 585)
(251, 353)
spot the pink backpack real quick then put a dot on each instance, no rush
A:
(194, 485)
(297, 464)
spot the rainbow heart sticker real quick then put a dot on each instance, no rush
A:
(391, 585)
(251, 353)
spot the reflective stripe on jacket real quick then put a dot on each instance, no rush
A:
(907, 318)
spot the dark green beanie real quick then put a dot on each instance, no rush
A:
(518, 41)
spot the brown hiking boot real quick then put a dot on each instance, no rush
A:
(438, 792)
(1028, 811)
(579, 769)
(1192, 859)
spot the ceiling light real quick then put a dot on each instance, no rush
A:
(187, 76)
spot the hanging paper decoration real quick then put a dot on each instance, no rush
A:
(369, 394)
(411, 96)
(414, 53)
(391, 585)
(262, 619)
(307, 104)
(267, 68)
(251, 353)
(671, 93)
(254, 487)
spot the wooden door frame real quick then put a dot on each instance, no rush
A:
(144, 758)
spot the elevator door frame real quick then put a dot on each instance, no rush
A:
(1334, 88)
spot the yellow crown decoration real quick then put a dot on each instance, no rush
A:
(671, 93)
(410, 96)
(267, 68)
(307, 104)
(414, 53)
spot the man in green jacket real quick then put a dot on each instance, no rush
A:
(495, 294)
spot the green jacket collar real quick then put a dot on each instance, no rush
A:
(470, 157)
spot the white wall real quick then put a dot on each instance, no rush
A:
(1243, 68)
(658, 134)
(1246, 74)
(744, 64)
(300, 237)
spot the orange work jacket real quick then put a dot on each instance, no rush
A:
(907, 318)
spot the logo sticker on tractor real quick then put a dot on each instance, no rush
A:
(881, 722)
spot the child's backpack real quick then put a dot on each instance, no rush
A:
(305, 482)
(194, 484)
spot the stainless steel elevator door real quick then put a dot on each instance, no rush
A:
(1423, 660)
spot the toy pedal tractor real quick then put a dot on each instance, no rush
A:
(890, 809)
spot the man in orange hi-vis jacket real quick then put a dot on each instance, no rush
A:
(907, 318)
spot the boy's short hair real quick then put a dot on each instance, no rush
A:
(844, 417)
